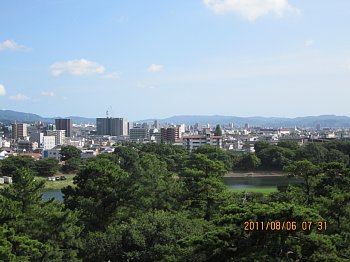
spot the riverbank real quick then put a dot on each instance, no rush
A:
(256, 174)
(56, 185)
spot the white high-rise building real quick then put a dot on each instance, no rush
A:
(59, 134)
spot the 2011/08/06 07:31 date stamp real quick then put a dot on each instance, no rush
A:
(284, 225)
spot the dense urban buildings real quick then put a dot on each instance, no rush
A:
(47, 138)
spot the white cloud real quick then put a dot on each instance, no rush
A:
(2, 90)
(48, 93)
(19, 97)
(12, 46)
(78, 67)
(112, 75)
(155, 68)
(251, 9)
(309, 42)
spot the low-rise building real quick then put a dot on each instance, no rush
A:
(193, 142)
(52, 153)
(88, 153)
(139, 134)
(7, 179)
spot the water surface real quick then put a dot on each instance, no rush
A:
(263, 182)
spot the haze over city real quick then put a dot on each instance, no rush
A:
(160, 58)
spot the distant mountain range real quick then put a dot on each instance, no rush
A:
(273, 122)
(9, 116)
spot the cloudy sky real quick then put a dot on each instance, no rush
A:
(158, 58)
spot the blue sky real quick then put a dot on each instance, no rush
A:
(158, 58)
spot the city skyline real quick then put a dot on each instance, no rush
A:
(162, 58)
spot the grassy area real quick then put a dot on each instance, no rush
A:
(56, 185)
(265, 191)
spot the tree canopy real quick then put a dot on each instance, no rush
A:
(161, 203)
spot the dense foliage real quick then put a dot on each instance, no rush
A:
(156, 202)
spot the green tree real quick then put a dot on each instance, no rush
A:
(46, 167)
(260, 145)
(215, 153)
(228, 241)
(127, 157)
(154, 187)
(293, 145)
(151, 236)
(249, 162)
(68, 152)
(173, 155)
(24, 189)
(218, 131)
(202, 178)
(99, 191)
(72, 165)
(313, 152)
(308, 172)
(274, 157)
(14, 247)
(334, 155)
(335, 175)
(10, 164)
(45, 222)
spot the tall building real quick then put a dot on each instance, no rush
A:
(112, 126)
(19, 131)
(37, 137)
(64, 124)
(170, 134)
(156, 124)
(103, 126)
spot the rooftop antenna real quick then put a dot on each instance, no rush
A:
(107, 113)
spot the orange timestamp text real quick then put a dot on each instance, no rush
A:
(284, 226)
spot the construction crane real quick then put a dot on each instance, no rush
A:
(109, 112)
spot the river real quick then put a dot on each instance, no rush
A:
(234, 183)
